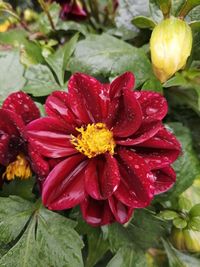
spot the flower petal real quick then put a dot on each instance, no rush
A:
(146, 131)
(96, 212)
(125, 81)
(128, 115)
(4, 147)
(102, 177)
(137, 182)
(162, 140)
(38, 163)
(161, 150)
(90, 94)
(10, 122)
(57, 105)
(11, 135)
(49, 136)
(121, 212)
(21, 104)
(117, 87)
(165, 179)
(154, 106)
(64, 186)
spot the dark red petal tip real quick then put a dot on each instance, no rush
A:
(21, 104)
(165, 179)
(154, 105)
(121, 212)
(124, 82)
(96, 212)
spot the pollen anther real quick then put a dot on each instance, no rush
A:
(94, 140)
(19, 168)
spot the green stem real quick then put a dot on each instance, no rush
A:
(186, 8)
(45, 8)
(94, 8)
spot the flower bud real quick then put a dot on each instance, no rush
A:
(186, 239)
(5, 26)
(72, 9)
(170, 45)
(30, 15)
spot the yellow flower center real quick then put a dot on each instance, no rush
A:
(94, 140)
(19, 168)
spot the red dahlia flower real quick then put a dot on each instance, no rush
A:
(113, 151)
(16, 153)
(72, 9)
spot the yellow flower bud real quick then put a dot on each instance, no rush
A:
(170, 45)
(4, 26)
(30, 15)
(186, 239)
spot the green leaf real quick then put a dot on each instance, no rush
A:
(195, 25)
(108, 56)
(194, 224)
(144, 231)
(178, 259)
(40, 81)
(177, 80)
(72, 26)
(179, 223)
(14, 37)
(54, 11)
(194, 14)
(143, 22)
(153, 84)
(193, 192)
(97, 247)
(184, 204)
(195, 210)
(30, 52)
(128, 256)
(165, 6)
(11, 78)
(168, 214)
(127, 10)
(176, 6)
(58, 61)
(196, 42)
(22, 188)
(155, 11)
(40, 236)
(188, 6)
(15, 212)
(187, 166)
(41, 109)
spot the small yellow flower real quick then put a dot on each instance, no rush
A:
(5, 26)
(170, 45)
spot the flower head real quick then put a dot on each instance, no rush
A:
(113, 152)
(72, 9)
(17, 156)
(170, 45)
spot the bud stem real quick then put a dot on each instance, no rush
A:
(44, 6)
(186, 8)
